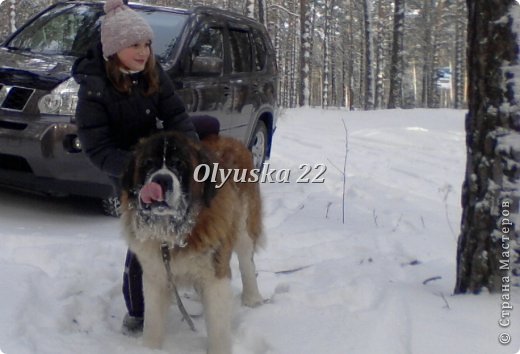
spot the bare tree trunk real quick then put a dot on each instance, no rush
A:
(437, 25)
(262, 12)
(369, 71)
(380, 58)
(326, 55)
(305, 53)
(249, 8)
(395, 99)
(349, 81)
(460, 39)
(293, 70)
(427, 62)
(487, 253)
(333, 48)
(12, 16)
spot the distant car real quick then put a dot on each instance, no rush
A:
(444, 78)
(222, 64)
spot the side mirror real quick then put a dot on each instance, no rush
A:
(205, 65)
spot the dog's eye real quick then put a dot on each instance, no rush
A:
(148, 164)
(177, 164)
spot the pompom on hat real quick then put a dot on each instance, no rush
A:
(122, 27)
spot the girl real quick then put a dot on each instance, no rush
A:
(125, 95)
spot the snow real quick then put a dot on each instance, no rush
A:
(381, 283)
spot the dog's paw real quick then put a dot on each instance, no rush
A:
(252, 300)
(151, 342)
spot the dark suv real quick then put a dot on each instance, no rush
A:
(221, 63)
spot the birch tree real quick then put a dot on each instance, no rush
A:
(369, 72)
(460, 50)
(249, 8)
(305, 52)
(326, 54)
(381, 52)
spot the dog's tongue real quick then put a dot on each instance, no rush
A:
(151, 192)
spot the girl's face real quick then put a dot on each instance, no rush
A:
(134, 58)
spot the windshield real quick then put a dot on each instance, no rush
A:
(70, 29)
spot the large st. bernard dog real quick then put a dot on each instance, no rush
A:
(164, 202)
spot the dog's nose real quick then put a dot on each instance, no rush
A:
(164, 180)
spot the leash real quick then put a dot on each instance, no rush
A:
(171, 285)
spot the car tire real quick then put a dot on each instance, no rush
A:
(111, 206)
(258, 144)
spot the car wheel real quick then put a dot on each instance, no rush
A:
(258, 144)
(111, 206)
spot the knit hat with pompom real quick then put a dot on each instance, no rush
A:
(122, 27)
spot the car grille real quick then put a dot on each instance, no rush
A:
(14, 97)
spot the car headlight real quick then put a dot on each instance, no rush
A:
(62, 100)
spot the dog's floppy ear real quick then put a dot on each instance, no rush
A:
(209, 190)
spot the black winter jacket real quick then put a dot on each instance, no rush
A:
(110, 123)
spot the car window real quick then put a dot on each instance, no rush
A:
(65, 30)
(167, 28)
(206, 43)
(240, 50)
(70, 29)
(260, 51)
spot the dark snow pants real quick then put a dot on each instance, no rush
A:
(133, 276)
(133, 286)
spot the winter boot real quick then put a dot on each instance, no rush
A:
(132, 326)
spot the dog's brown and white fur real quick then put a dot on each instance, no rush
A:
(202, 225)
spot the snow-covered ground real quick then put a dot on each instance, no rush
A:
(379, 283)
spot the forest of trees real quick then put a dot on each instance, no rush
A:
(359, 54)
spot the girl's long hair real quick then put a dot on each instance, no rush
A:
(122, 81)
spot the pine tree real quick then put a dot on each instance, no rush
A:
(487, 252)
(395, 99)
